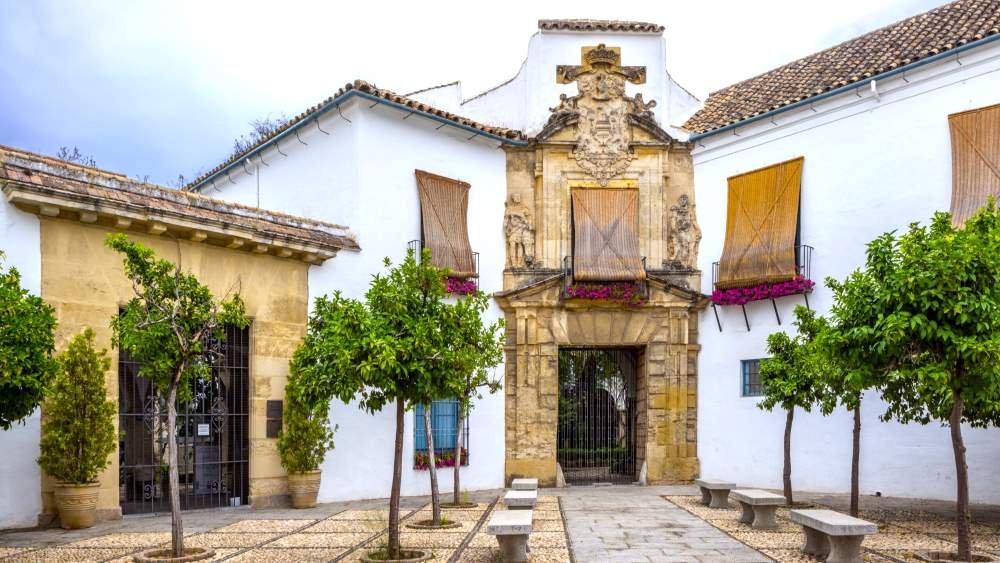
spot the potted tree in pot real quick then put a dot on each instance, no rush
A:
(303, 443)
(78, 431)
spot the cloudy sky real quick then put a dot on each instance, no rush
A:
(159, 89)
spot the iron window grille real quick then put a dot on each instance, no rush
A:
(213, 434)
(751, 386)
(444, 419)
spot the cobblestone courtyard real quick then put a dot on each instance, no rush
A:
(584, 524)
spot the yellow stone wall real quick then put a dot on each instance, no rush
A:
(85, 282)
(540, 178)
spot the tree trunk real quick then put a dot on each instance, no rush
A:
(397, 477)
(786, 474)
(459, 439)
(962, 516)
(856, 462)
(432, 468)
(176, 526)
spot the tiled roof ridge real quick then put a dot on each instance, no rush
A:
(889, 40)
(599, 25)
(44, 164)
(371, 89)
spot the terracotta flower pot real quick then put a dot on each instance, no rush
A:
(303, 488)
(77, 504)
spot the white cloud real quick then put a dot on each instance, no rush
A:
(163, 87)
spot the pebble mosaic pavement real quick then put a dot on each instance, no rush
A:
(902, 533)
(343, 536)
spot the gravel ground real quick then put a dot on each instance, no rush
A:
(341, 532)
(906, 526)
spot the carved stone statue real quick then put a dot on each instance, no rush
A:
(684, 234)
(520, 234)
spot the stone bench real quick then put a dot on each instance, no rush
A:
(833, 535)
(512, 528)
(520, 500)
(758, 507)
(524, 484)
(715, 494)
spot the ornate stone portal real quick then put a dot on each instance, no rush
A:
(600, 138)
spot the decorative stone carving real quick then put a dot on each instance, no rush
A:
(520, 235)
(602, 109)
(684, 234)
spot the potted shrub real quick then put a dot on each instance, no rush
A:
(78, 431)
(302, 444)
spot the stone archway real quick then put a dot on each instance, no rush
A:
(664, 330)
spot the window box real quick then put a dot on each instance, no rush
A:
(743, 295)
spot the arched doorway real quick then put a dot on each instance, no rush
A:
(596, 441)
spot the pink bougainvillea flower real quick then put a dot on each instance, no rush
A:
(744, 295)
(459, 286)
(625, 293)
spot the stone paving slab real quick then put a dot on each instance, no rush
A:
(635, 524)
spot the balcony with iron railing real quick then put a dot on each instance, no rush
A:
(417, 247)
(801, 284)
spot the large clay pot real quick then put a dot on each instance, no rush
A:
(77, 504)
(303, 488)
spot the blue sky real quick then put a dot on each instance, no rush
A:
(163, 88)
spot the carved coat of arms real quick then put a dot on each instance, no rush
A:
(602, 108)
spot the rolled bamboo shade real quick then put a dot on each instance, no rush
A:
(761, 223)
(605, 235)
(975, 160)
(444, 209)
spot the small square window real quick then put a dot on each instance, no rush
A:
(751, 378)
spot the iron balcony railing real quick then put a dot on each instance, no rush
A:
(417, 247)
(803, 268)
(803, 264)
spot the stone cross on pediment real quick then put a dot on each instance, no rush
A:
(600, 59)
(601, 110)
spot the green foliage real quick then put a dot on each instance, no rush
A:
(168, 324)
(790, 377)
(477, 348)
(403, 342)
(307, 435)
(936, 318)
(27, 325)
(78, 431)
(850, 344)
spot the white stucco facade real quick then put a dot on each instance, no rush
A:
(362, 175)
(873, 163)
(20, 479)
(523, 101)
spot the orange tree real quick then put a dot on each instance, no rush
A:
(937, 319)
(396, 346)
(167, 327)
(789, 379)
(27, 325)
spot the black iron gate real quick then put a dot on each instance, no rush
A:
(213, 430)
(597, 415)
